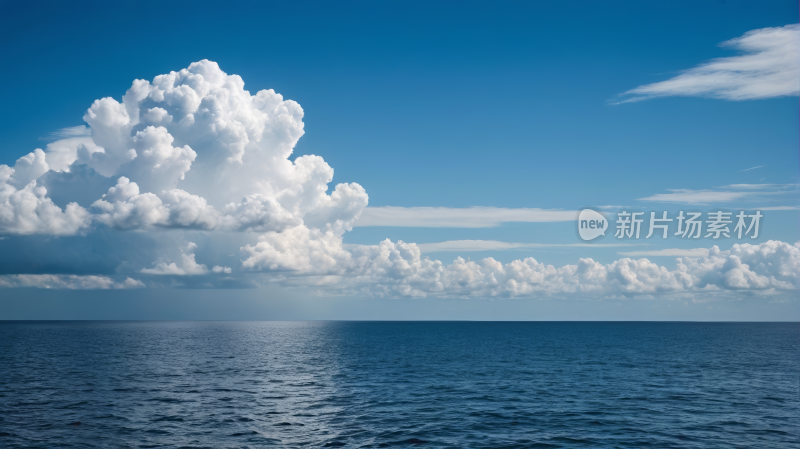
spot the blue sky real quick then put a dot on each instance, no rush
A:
(450, 104)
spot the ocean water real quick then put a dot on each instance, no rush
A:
(399, 384)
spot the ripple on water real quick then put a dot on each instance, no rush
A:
(335, 384)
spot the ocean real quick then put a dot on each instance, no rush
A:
(399, 384)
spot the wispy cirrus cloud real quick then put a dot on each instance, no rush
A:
(66, 282)
(758, 186)
(769, 67)
(752, 168)
(72, 131)
(451, 217)
(698, 197)
(724, 194)
(491, 245)
(779, 208)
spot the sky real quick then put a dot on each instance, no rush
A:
(397, 160)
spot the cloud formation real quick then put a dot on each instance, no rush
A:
(489, 245)
(768, 67)
(66, 282)
(700, 197)
(189, 265)
(198, 122)
(193, 155)
(27, 210)
(397, 269)
(724, 194)
(72, 131)
(451, 217)
(188, 150)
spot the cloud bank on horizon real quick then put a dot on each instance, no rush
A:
(768, 67)
(194, 153)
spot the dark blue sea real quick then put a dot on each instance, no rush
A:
(399, 384)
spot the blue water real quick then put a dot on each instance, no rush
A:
(399, 384)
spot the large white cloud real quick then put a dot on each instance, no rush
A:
(229, 151)
(190, 150)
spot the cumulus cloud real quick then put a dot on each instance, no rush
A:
(201, 123)
(768, 67)
(300, 249)
(66, 282)
(397, 269)
(189, 150)
(194, 152)
(157, 165)
(188, 266)
(28, 210)
(259, 213)
(123, 207)
(28, 168)
(62, 155)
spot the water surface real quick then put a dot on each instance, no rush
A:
(399, 384)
